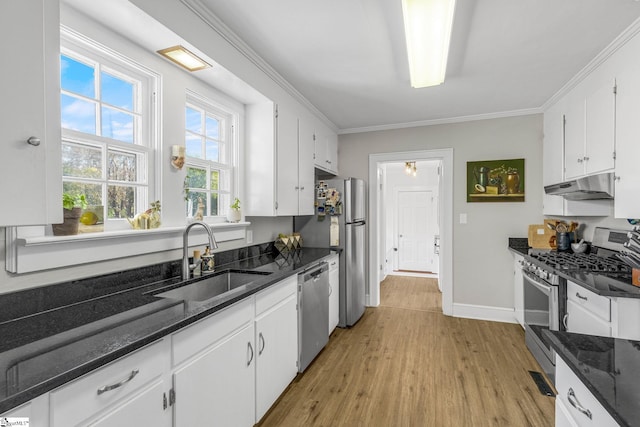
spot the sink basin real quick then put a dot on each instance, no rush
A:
(213, 286)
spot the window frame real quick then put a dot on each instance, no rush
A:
(228, 119)
(145, 145)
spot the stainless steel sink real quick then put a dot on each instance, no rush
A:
(213, 286)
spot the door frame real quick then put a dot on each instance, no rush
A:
(445, 209)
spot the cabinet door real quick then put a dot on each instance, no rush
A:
(628, 141)
(574, 131)
(31, 172)
(287, 162)
(276, 352)
(142, 409)
(332, 151)
(582, 321)
(217, 389)
(306, 175)
(600, 128)
(518, 290)
(552, 165)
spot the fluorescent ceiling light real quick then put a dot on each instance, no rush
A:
(184, 58)
(427, 27)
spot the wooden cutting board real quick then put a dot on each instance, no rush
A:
(540, 236)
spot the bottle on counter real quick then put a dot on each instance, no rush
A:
(197, 262)
(208, 261)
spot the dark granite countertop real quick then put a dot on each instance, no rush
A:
(56, 333)
(608, 367)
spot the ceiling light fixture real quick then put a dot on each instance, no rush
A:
(427, 27)
(181, 56)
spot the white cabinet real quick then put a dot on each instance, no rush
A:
(587, 312)
(518, 289)
(30, 111)
(334, 291)
(128, 392)
(627, 183)
(279, 162)
(590, 127)
(326, 149)
(553, 168)
(575, 405)
(276, 341)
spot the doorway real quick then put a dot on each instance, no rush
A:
(379, 222)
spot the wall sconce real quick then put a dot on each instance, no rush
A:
(410, 168)
(177, 156)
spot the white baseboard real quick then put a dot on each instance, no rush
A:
(482, 312)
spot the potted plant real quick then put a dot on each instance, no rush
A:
(234, 214)
(72, 206)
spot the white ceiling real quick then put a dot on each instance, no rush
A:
(348, 57)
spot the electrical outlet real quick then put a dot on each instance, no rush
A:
(249, 236)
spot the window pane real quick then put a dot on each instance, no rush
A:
(93, 192)
(77, 77)
(194, 145)
(122, 166)
(116, 92)
(215, 180)
(77, 114)
(215, 209)
(193, 120)
(196, 178)
(117, 125)
(212, 151)
(121, 201)
(213, 128)
(79, 161)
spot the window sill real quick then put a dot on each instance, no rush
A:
(28, 254)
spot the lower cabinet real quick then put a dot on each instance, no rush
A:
(216, 388)
(128, 392)
(518, 290)
(334, 291)
(575, 405)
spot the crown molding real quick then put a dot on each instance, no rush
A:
(209, 18)
(631, 31)
(449, 120)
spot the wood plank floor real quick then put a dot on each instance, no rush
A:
(406, 364)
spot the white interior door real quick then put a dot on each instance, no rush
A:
(415, 238)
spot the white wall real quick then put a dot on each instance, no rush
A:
(482, 264)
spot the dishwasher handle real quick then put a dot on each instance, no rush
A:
(313, 273)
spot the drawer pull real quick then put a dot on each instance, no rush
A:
(261, 339)
(250, 349)
(581, 297)
(571, 397)
(118, 384)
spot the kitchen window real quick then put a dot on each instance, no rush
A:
(108, 146)
(210, 157)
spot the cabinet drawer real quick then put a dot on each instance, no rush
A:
(274, 294)
(195, 338)
(596, 304)
(567, 383)
(75, 402)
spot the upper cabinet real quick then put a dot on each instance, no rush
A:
(31, 175)
(279, 162)
(326, 149)
(590, 127)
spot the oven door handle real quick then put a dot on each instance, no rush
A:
(544, 288)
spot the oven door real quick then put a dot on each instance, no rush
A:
(541, 311)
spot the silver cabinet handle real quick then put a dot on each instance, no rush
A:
(581, 297)
(565, 319)
(34, 140)
(330, 289)
(571, 397)
(580, 160)
(250, 348)
(261, 340)
(302, 188)
(118, 384)
(586, 159)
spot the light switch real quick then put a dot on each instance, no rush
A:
(249, 236)
(463, 218)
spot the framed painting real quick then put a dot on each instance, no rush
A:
(495, 181)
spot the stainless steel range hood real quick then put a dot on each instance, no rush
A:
(591, 187)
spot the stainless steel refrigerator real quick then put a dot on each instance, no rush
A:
(351, 244)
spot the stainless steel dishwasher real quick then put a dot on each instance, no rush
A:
(313, 313)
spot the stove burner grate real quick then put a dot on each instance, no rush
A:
(582, 262)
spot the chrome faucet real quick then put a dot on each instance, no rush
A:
(186, 268)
